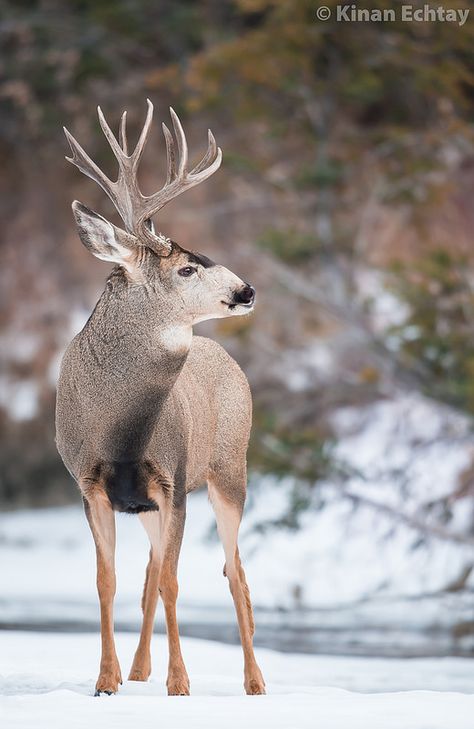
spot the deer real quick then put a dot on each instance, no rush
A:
(146, 411)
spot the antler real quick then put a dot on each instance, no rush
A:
(136, 209)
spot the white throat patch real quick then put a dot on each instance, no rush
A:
(177, 337)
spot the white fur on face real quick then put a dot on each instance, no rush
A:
(209, 293)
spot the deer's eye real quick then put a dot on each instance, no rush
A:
(187, 271)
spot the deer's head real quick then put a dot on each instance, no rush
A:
(195, 287)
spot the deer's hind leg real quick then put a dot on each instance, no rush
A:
(227, 495)
(165, 531)
(141, 667)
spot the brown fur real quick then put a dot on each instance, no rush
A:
(248, 602)
(146, 412)
(178, 412)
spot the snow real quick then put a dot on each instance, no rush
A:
(299, 367)
(19, 398)
(307, 586)
(385, 308)
(408, 440)
(48, 557)
(47, 681)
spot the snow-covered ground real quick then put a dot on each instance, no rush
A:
(49, 554)
(47, 681)
(353, 574)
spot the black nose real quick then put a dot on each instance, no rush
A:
(245, 295)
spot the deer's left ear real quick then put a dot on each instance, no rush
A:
(104, 240)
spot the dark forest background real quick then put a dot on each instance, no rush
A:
(348, 157)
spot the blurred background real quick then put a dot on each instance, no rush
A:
(345, 197)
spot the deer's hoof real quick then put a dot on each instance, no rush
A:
(178, 686)
(254, 685)
(107, 684)
(255, 688)
(138, 674)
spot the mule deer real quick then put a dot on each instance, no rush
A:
(147, 412)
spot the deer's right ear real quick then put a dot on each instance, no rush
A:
(102, 239)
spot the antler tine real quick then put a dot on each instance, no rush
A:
(123, 133)
(170, 155)
(87, 166)
(210, 154)
(197, 178)
(110, 136)
(182, 143)
(135, 208)
(177, 181)
(138, 151)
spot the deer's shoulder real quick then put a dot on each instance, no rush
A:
(211, 352)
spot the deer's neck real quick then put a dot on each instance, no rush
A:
(139, 330)
(136, 350)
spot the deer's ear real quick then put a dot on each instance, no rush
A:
(102, 239)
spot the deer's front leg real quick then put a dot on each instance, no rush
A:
(101, 518)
